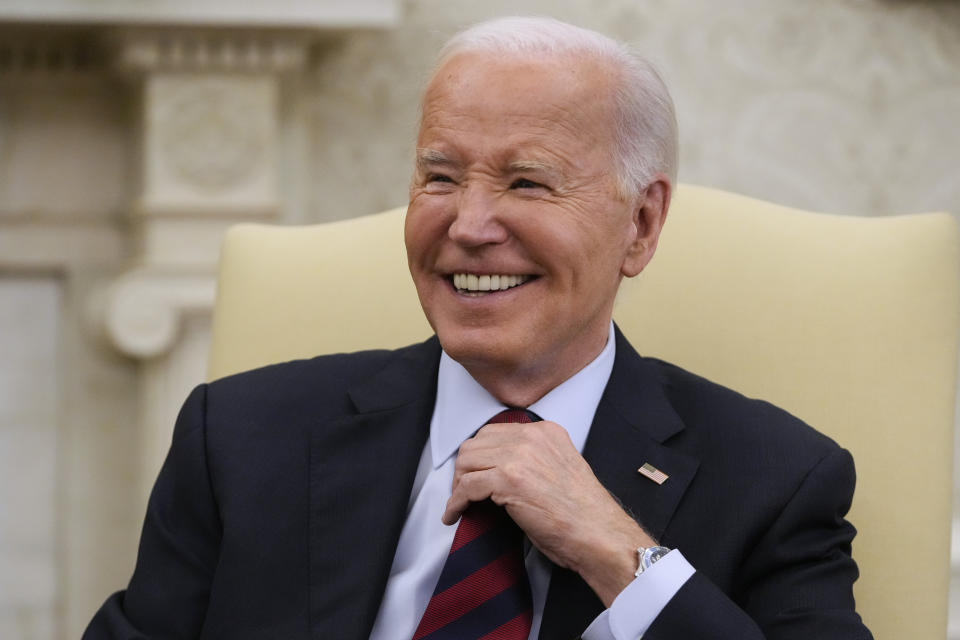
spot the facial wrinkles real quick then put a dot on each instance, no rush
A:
(560, 148)
(471, 129)
(570, 121)
(563, 174)
(575, 190)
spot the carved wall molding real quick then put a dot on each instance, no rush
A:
(58, 246)
(278, 13)
(33, 51)
(211, 50)
(212, 135)
(143, 309)
(210, 142)
(139, 132)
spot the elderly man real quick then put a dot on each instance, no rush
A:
(485, 484)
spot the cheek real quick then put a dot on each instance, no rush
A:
(422, 230)
(593, 261)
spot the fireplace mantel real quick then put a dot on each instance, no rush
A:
(140, 130)
(299, 14)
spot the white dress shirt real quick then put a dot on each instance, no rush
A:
(462, 407)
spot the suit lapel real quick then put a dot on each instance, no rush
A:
(633, 421)
(362, 468)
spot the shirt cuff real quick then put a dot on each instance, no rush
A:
(639, 604)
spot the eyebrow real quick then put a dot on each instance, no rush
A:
(431, 158)
(535, 165)
(427, 158)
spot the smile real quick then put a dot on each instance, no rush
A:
(473, 283)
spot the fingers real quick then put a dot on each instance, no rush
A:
(502, 461)
(474, 486)
(474, 473)
(475, 457)
(501, 436)
(496, 445)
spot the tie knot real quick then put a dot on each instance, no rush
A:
(514, 415)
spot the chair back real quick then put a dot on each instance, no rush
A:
(850, 323)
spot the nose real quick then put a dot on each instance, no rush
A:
(477, 221)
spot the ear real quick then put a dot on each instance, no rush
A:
(649, 214)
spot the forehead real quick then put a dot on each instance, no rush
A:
(562, 103)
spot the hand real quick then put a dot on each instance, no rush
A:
(534, 471)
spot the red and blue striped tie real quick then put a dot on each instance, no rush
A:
(483, 592)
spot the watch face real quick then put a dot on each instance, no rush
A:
(654, 553)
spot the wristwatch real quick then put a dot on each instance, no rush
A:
(646, 556)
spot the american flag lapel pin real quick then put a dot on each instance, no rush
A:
(650, 471)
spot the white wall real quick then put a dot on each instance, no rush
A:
(29, 411)
(847, 106)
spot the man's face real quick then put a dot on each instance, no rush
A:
(515, 235)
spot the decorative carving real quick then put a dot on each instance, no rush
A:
(24, 52)
(275, 13)
(143, 309)
(212, 135)
(207, 51)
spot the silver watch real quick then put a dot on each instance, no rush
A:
(646, 556)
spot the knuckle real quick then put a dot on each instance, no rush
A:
(531, 435)
(545, 430)
(513, 473)
(470, 485)
(552, 429)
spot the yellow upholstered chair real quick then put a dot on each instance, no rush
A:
(850, 323)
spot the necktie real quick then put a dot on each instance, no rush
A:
(483, 592)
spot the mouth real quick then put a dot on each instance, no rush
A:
(472, 284)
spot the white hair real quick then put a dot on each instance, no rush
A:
(645, 126)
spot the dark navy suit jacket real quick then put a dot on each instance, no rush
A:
(279, 507)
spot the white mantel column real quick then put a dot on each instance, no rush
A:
(209, 117)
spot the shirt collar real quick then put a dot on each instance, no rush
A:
(463, 406)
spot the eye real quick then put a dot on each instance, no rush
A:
(523, 183)
(438, 183)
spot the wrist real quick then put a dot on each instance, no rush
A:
(609, 563)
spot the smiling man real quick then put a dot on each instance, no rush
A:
(515, 185)
(485, 484)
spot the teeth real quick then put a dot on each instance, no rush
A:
(473, 282)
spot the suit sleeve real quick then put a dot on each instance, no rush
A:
(796, 582)
(168, 593)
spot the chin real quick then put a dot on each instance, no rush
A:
(479, 348)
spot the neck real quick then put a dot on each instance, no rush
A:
(520, 385)
(517, 390)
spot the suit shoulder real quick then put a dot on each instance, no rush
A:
(318, 381)
(723, 417)
(340, 366)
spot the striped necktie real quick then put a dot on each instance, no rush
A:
(483, 592)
